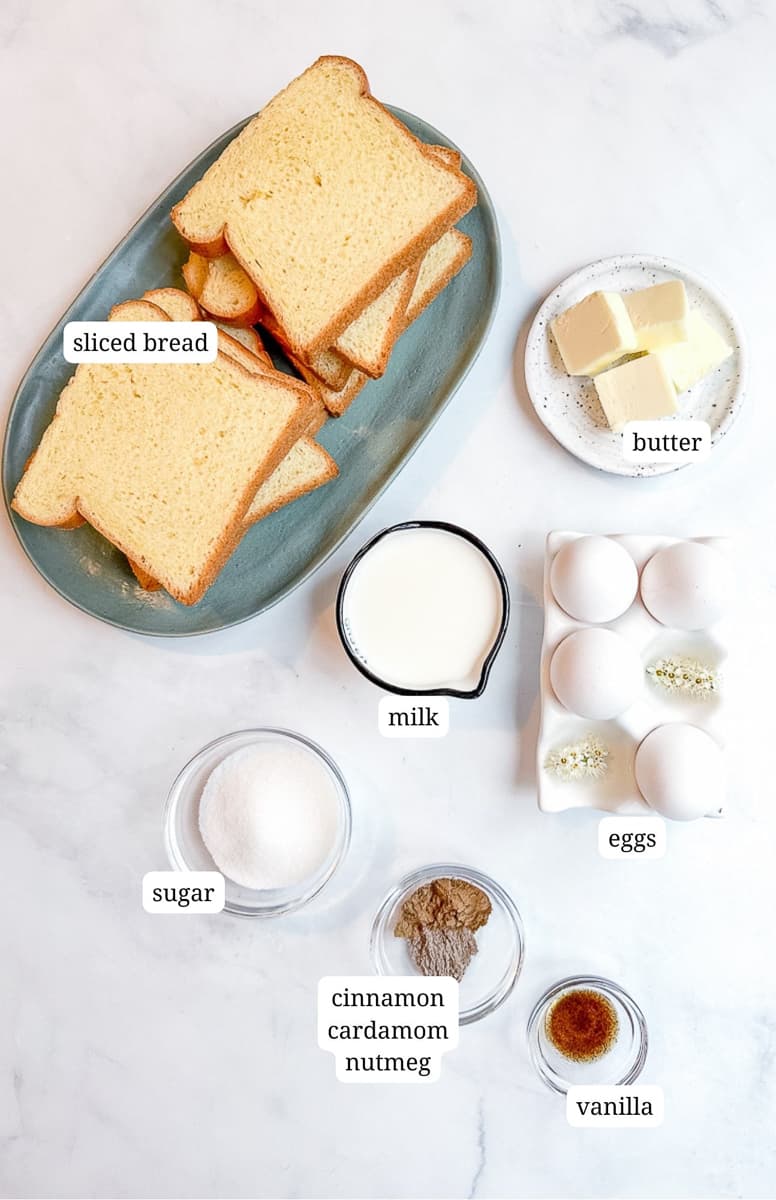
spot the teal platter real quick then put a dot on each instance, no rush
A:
(370, 443)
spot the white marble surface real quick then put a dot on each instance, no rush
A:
(170, 1057)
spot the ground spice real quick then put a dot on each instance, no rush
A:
(439, 921)
(443, 904)
(582, 1025)
(443, 951)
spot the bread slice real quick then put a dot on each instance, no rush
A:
(227, 293)
(368, 341)
(323, 199)
(223, 289)
(364, 345)
(251, 340)
(307, 466)
(440, 264)
(163, 459)
(180, 306)
(175, 305)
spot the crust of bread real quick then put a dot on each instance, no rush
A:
(441, 282)
(145, 581)
(288, 497)
(334, 379)
(177, 297)
(242, 320)
(194, 272)
(251, 339)
(196, 275)
(212, 249)
(395, 327)
(213, 246)
(335, 403)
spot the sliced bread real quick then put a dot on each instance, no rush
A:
(323, 199)
(366, 343)
(223, 289)
(307, 466)
(163, 459)
(226, 293)
(176, 305)
(440, 264)
(251, 340)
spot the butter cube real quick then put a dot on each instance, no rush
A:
(659, 314)
(639, 390)
(687, 362)
(594, 333)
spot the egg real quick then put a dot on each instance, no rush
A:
(594, 579)
(686, 585)
(680, 772)
(596, 673)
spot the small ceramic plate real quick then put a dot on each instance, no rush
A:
(568, 405)
(370, 443)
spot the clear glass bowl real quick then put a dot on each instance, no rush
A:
(187, 851)
(493, 971)
(622, 1064)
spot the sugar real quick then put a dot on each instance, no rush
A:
(268, 815)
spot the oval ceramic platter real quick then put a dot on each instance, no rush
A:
(370, 443)
(568, 405)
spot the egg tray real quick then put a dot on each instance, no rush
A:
(617, 791)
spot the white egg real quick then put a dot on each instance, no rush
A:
(596, 673)
(680, 772)
(686, 585)
(594, 579)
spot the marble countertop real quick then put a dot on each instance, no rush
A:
(163, 1057)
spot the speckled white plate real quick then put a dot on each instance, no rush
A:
(568, 405)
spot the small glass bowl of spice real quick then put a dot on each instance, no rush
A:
(448, 919)
(587, 1030)
(268, 809)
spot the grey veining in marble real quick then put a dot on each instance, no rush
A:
(166, 1057)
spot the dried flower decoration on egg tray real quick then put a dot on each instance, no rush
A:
(686, 677)
(586, 759)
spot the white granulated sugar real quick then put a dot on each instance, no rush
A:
(268, 815)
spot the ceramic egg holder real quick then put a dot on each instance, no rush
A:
(616, 791)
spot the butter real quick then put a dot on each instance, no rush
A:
(659, 314)
(688, 362)
(594, 333)
(640, 390)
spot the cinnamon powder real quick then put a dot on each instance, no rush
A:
(439, 921)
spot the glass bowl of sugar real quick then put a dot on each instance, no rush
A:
(270, 810)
